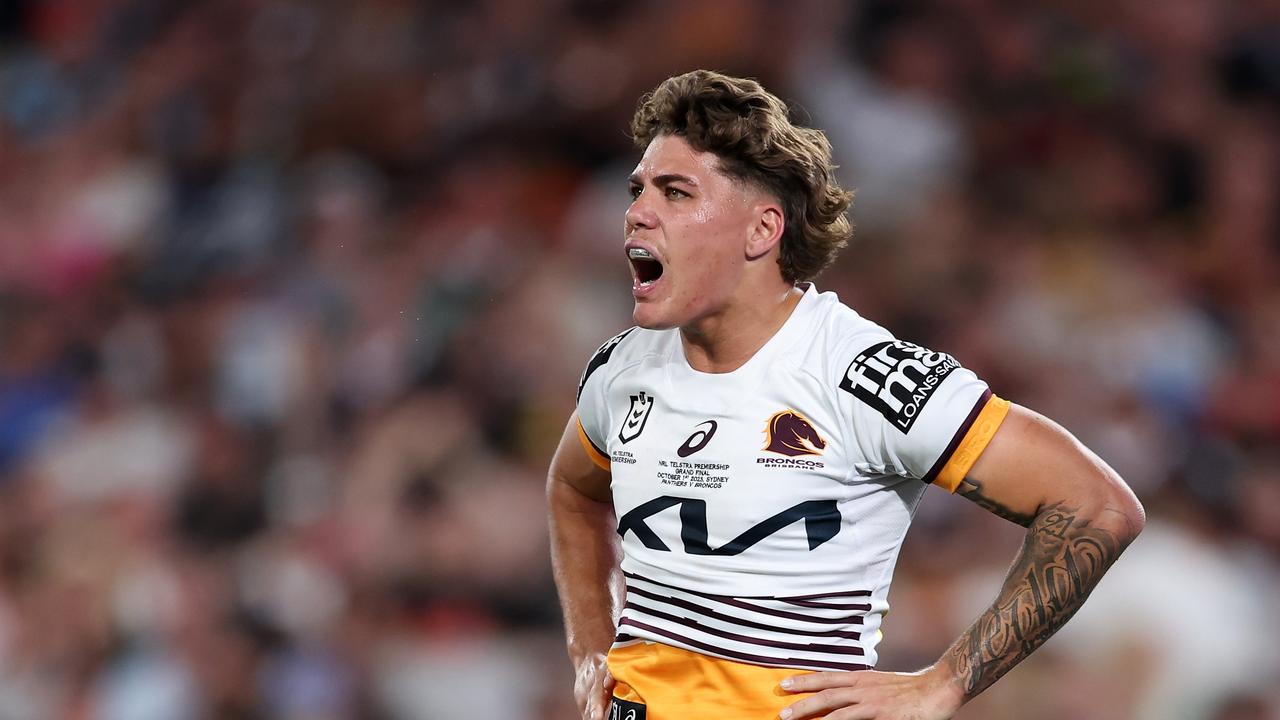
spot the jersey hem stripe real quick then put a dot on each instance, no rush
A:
(745, 639)
(697, 645)
(783, 598)
(735, 602)
(709, 613)
(596, 454)
(977, 436)
(826, 606)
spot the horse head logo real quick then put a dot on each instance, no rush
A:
(790, 433)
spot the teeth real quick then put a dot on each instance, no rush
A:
(636, 253)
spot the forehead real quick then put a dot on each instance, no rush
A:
(672, 154)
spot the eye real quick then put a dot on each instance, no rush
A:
(675, 193)
(634, 191)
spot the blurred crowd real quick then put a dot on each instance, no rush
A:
(294, 296)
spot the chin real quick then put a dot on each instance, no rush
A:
(649, 317)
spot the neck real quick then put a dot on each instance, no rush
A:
(725, 341)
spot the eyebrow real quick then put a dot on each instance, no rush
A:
(664, 179)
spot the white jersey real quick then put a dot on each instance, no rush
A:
(762, 510)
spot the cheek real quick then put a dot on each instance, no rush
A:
(711, 250)
(713, 263)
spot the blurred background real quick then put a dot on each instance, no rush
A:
(294, 297)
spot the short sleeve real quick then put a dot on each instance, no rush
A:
(917, 412)
(593, 408)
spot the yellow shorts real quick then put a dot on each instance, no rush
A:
(675, 684)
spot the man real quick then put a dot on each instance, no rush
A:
(728, 501)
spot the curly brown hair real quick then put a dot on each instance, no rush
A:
(750, 132)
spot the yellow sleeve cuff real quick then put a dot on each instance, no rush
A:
(593, 452)
(974, 442)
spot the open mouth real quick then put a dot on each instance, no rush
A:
(646, 266)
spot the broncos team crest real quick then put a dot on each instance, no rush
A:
(790, 433)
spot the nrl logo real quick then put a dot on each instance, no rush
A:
(790, 433)
(633, 424)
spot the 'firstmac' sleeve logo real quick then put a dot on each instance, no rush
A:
(897, 378)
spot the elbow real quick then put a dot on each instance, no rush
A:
(1135, 520)
(1124, 512)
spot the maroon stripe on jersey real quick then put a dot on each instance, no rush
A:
(694, 607)
(865, 607)
(819, 596)
(735, 602)
(712, 596)
(932, 475)
(746, 657)
(849, 619)
(807, 647)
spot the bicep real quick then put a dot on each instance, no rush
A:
(573, 469)
(1032, 462)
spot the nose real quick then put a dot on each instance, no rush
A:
(640, 215)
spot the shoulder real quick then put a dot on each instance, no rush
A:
(852, 340)
(893, 376)
(618, 352)
(846, 330)
(836, 335)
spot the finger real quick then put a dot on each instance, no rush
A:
(820, 704)
(598, 709)
(812, 682)
(604, 703)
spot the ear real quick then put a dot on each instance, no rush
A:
(766, 229)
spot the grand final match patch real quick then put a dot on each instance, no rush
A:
(897, 378)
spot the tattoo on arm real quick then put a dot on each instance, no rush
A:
(972, 489)
(1060, 563)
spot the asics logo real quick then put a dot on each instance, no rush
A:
(702, 434)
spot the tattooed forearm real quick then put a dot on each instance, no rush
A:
(972, 489)
(1061, 561)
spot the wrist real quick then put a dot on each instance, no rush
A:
(944, 686)
(589, 660)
